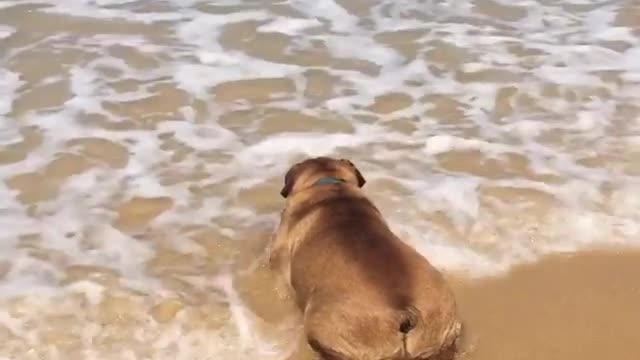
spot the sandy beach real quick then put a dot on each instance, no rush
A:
(143, 146)
(576, 306)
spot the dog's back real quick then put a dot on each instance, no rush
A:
(365, 293)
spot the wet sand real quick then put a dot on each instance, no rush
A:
(583, 306)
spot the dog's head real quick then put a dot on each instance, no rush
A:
(306, 173)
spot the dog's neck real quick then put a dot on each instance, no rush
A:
(328, 180)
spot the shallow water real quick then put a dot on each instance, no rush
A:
(143, 145)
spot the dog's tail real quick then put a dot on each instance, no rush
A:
(408, 321)
(412, 329)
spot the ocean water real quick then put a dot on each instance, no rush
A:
(143, 145)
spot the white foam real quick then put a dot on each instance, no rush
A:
(6, 31)
(83, 86)
(330, 11)
(289, 26)
(568, 77)
(102, 9)
(629, 55)
(29, 276)
(453, 195)
(200, 137)
(8, 3)
(363, 48)
(10, 323)
(238, 311)
(439, 144)
(198, 79)
(307, 144)
(9, 84)
(203, 29)
(93, 292)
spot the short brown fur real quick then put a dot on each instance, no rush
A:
(364, 293)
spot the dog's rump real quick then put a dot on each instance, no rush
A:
(351, 329)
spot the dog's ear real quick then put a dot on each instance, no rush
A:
(289, 181)
(359, 177)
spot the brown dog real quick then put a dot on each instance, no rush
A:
(364, 293)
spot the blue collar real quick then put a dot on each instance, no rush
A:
(328, 180)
